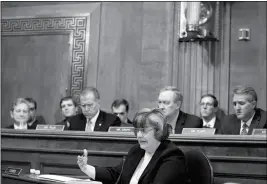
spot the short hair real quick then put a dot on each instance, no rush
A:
(143, 119)
(32, 101)
(19, 101)
(215, 101)
(120, 102)
(242, 89)
(91, 90)
(178, 97)
(66, 98)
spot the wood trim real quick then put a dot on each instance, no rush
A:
(225, 48)
(241, 176)
(65, 151)
(225, 159)
(177, 138)
(78, 26)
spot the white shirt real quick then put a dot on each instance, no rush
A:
(140, 168)
(21, 126)
(93, 121)
(248, 123)
(211, 123)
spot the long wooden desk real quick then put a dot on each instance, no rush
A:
(240, 159)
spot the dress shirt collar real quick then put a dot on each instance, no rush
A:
(21, 126)
(93, 120)
(211, 123)
(248, 122)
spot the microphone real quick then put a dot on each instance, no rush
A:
(123, 161)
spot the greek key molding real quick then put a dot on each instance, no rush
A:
(76, 25)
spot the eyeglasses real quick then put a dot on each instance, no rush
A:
(142, 130)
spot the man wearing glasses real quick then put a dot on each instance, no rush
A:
(92, 118)
(120, 108)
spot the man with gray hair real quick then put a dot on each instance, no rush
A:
(92, 118)
(247, 116)
(170, 101)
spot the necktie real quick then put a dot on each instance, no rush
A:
(244, 129)
(88, 127)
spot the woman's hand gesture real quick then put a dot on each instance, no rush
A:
(82, 160)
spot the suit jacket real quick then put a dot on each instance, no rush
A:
(167, 166)
(65, 122)
(38, 121)
(103, 122)
(217, 125)
(12, 127)
(128, 124)
(232, 125)
(185, 120)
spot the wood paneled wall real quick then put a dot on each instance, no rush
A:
(134, 51)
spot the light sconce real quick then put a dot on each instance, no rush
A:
(199, 21)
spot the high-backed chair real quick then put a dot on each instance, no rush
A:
(199, 168)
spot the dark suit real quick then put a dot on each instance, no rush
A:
(65, 122)
(185, 120)
(128, 124)
(103, 122)
(232, 125)
(12, 127)
(217, 125)
(38, 121)
(167, 166)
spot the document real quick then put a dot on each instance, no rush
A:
(66, 179)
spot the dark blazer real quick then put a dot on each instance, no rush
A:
(64, 122)
(217, 125)
(12, 127)
(103, 122)
(185, 120)
(128, 124)
(167, 166)
(38, 121)
(232, 125)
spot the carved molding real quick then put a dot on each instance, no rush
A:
(77, 26)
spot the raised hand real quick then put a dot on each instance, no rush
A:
(82, 160)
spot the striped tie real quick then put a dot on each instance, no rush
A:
(244, 130)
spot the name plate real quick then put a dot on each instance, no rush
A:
(13, 171)
(121, 129)
(261, 132)
(50, 127)
(201, 131)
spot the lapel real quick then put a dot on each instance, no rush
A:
(236, 126)
(255, 122)
(132, 163)
(180, 122)
(153, 161)
(99, 121)
(217, 124)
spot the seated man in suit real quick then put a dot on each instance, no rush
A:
(120, 108)
(92, 118)
(34, 120)
(170, 101)
(208, 109)
(247, 116)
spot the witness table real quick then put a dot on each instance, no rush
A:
(240, 159)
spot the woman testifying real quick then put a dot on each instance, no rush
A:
(154, 160)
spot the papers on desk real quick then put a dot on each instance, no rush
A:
(65, 179)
